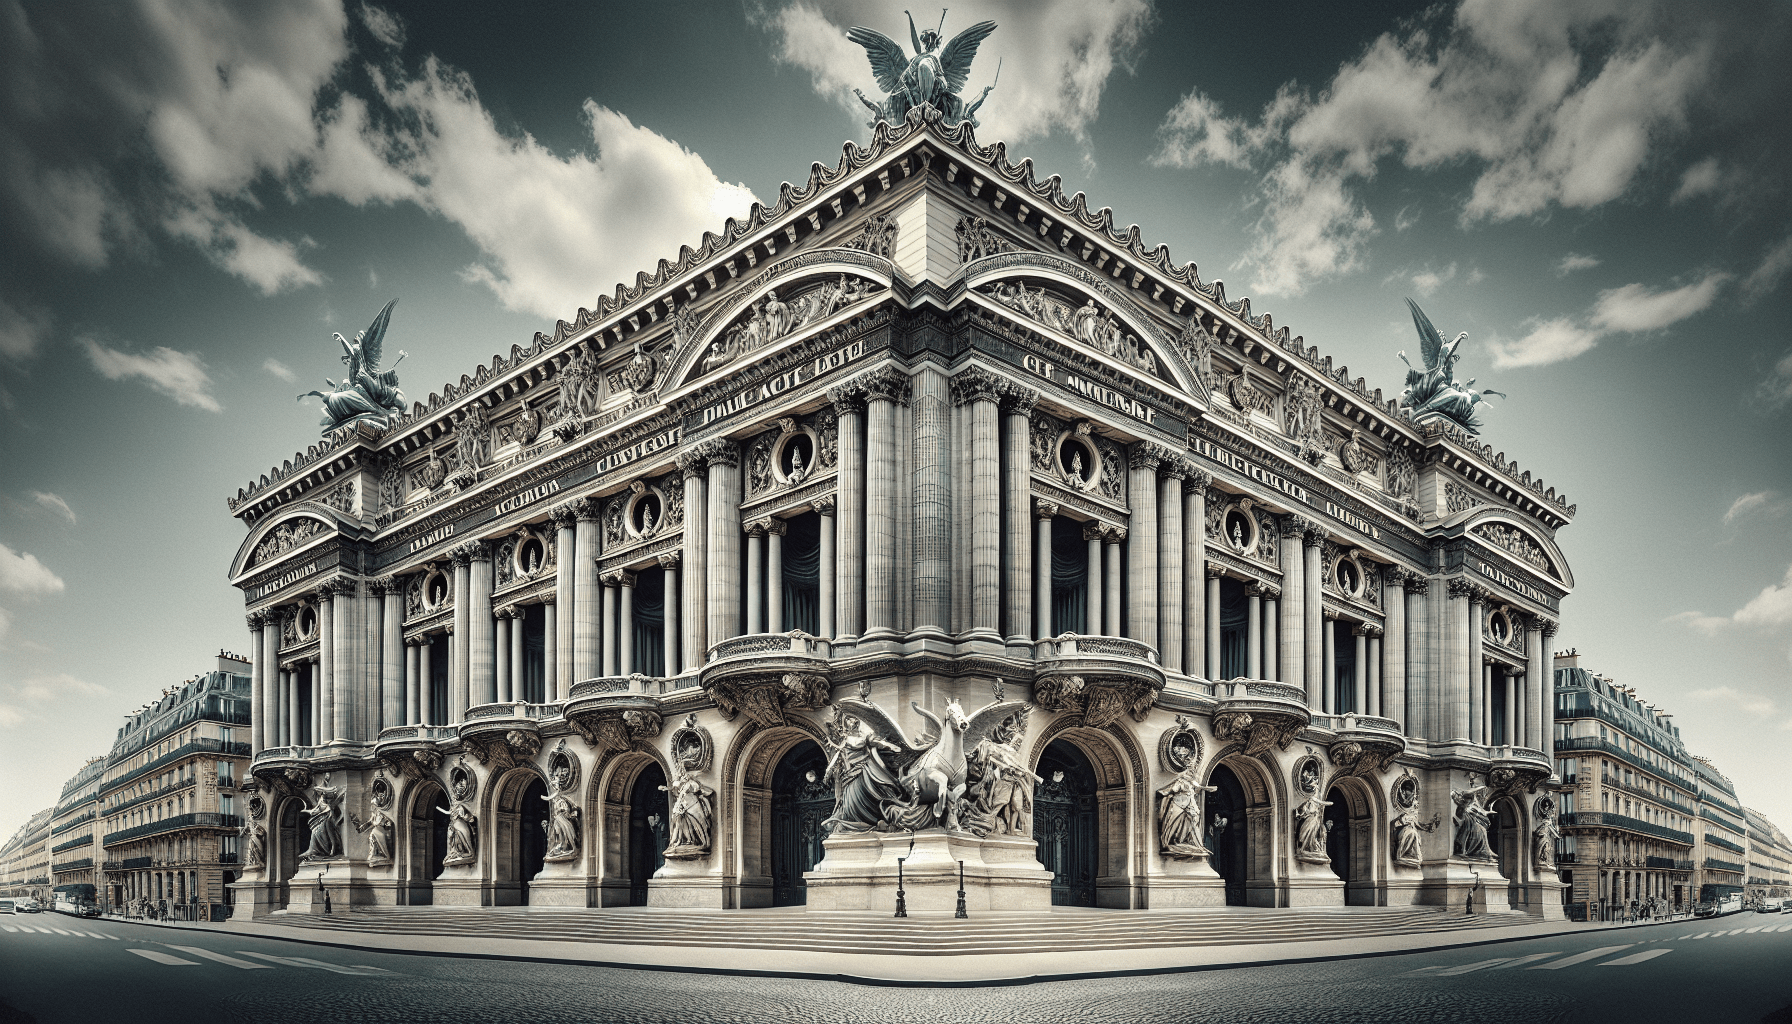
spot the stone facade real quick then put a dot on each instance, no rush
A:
(1183, 614)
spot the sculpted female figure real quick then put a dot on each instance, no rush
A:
(1309, 818)
(463, 827)
(867, 787)
(324, 818)
(1179, 812)
(1471, 820)
(254, 843)
(689, 815)
(562, 826)
(1407, 844)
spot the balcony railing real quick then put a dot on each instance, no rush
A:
(73, 865)
(65, 826)
(1573, 743)
(1627, 823)
(1717, 840)
(1072, 645)
(795, 642)
(395, 733)
(1670, 863)
(1617, 783)
(72, 843)
(517, 709)
(1712, 863)
(151, 794)
(132, 863)
(203, 745)
(198, 819)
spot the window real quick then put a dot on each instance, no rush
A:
(226, 804)
(225, 771)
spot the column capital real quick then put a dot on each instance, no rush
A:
(1115, 534)
(718, 451)
(1460, 587)
(1018, 400)
(587, 510)
(1313, 535)
(886, 384)
(975, 384)
(1361, 629)
(1549, 627)
(1145, 455)
(692, 463)
(619, 578)
(847, 397)
(1372, 631)
(1215, 571)
(1092, 531)
(471, 551)
(1044, 510)
(671, 559)
(757, 527)
(562, 516)
(1417, 583)
(385, 585)
(256, 620)
(776, 527)
(547, 599)
(1395, 576)
(1196, 481)
(341, 586)
(823, 505)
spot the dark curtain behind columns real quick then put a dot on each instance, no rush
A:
(802, 574)
(533, 671)
(1070, 576)
(650, 623)
(1235, 613)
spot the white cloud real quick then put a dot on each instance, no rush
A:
(10, 716)
(1763, 502)
(58, 687)
(1771, 607)
(1428, 281)
(179, 375)
(1707, 624)
(552, 227)
(1555, 104)
(1635, 308)
(54, 503)
(279, 369)
(1751, 703)
(387, 27)
(1549, 341)
(1064, 53)
(21, 573)
(1700, 179)
(21, 331)
(1773, 266)
(1776, 387)
(1575, 261)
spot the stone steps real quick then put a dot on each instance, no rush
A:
(1058, 931)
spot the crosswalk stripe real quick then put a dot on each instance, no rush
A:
(1467, 968)
(303, 961)
(1784, 928)
(1521, 961)
(8, 927)
(1579, 958)
(221, 958)
(1755, 929)
(1701, 935)
(114, 938)
(93, 935)
(59, 931)
(163, 958)
(1636, 958)
(1423, 971)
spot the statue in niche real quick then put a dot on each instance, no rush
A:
(647, 520)
(434, 471)
(1238, 535)
(378, 829)
(932, 77)
(690, 818)
(1471, 820)
(797, 472)
(1544, 836)
(255, 842)
(1435, 390)
(366, 394)
(528, 425)
(1310, 827)
(463, 825)
(563, 818)
(1180, 807)
(1408, 847)
(324, 819)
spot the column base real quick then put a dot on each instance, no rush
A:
(708, 893)
(1185, 884)
(560, 892)
(1450, 884)
(860, 872)
(1314, 885)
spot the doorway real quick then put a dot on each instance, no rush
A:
(801, 801)
(532, 837)
(648, 831)
(1228, 834)
(1064, 823)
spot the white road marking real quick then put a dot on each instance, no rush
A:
(58, 931)
(1423, 971)
(1521, 961)
(1467, 968)
(8, 927)
(163, 958)
(221, 958)
(1579, 958)
(1756, 928)
(93, 935)
(301, 961)
(1701, 935)
(1636, 958)
(114, 938)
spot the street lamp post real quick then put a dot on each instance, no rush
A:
(960, 912)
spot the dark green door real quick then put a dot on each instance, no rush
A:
(1064, 824)
(801, 801)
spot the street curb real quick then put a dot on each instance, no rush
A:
(876, 982)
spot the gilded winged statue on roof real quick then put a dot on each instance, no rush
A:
(367, 393)
(1435, 391)
(929, 77)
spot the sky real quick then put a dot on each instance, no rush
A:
(193, 195)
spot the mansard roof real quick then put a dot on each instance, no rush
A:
(951, 153)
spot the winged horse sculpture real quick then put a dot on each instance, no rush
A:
(1435, 389)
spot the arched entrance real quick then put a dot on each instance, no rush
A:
(801, 801)
(287, 846)
(1065, 823)
(1228, 834)
(426, 845)
(1509, 848)
(1350, 840)
(520, 841)
(648, 831)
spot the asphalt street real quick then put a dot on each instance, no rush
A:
(55, 969)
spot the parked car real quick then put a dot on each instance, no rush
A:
(7, 906)
(27, 905)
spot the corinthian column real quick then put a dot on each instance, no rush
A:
(457, 640)
(625, 625)
(1017, 510)
(323, 693)
(481, 655)
(976, 389)
(1537, 691)
(584, 591)
(756, 576)
(1547, 689)
(1141, 576)
(275, 699)
(391, 591)
(884, 390)
(932, 485)
(1460, 672)
(1253, 632)
(694, 594)
(258, 686)
(1215, 665)
(501, 647)
(1293, 606)
(1477, 673)
(723, 457)
(560, 614)
(1194, 574)
(1092, 578)
(849, 492)
(1114, 536)
(1393, 662)
(1043, 514)
(829, 568)
(1169, 553)
(774, 574)
(1313, 578)
(669, 631)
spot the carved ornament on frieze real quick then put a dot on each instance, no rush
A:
(619, 730)
(1362, 758)
(1258, 730)
(765, 699)
(1101, 701)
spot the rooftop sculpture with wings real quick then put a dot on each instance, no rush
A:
(928, 77)
(366, 393)
(1435, 391)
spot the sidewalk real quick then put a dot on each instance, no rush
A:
(967, 970)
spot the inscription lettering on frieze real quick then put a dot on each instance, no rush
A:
(286, 579)
(644, 447)
(1352, 520)
(1250, 469)
(824, 363)
(1513, 583)
(527, 497)
(436, 535)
